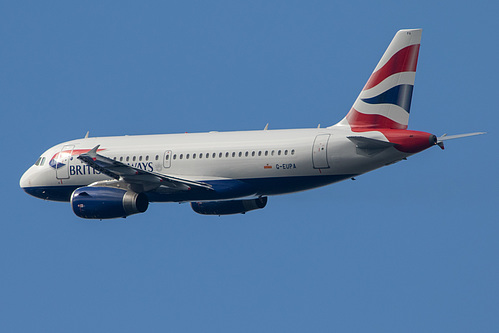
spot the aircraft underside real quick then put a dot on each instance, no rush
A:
(222, 189)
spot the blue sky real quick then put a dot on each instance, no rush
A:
(411, 247)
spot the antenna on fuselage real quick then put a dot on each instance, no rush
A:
(86, 135)
(266, 127)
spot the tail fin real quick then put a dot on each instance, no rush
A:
(385, 101)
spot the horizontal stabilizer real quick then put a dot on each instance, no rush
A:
(441, 139)
(369, 147)
(450, 137)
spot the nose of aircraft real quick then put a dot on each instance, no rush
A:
(30, 183)
(25, 180)
(40, 182)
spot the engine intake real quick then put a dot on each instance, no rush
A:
(228, 207)
(107, 202)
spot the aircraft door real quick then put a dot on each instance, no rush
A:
(62, 162)
(319, 152)
(167, 159)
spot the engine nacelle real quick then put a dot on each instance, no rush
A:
(107, 202)
(228, 207)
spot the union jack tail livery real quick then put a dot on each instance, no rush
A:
(385, 101)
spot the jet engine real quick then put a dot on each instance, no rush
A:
(107, 202)
(228, 207)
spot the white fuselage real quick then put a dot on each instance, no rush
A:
(237, 164)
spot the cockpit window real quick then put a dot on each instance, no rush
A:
(40, 161)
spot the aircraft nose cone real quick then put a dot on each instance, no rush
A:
(29, 182)
(25, 180)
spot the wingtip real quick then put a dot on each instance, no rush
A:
(92, 152)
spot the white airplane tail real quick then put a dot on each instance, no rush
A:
(385, 100)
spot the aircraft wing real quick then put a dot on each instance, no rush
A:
(138, 178)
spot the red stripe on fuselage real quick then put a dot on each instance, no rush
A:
(405, 60)
(409, 141)
(75, 152)
(406, 141)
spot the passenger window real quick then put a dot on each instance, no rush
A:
(208, 155)
(227, 154)
(187, 156)
(147, 157)
(253, 153)
(272, 153)
(286, 152)
(157, 157)
(240, 153)
(279, 152)
(246, 154)
(259, 153)
(266, 153)
(233, 154)
(193, 156)
(133, 159)
(121, 158)
(292, 151)
(219, 155)
(174, 156)
(128, 158)
(201, 155)
(181, 156)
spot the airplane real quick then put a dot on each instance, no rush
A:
(222, 173)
